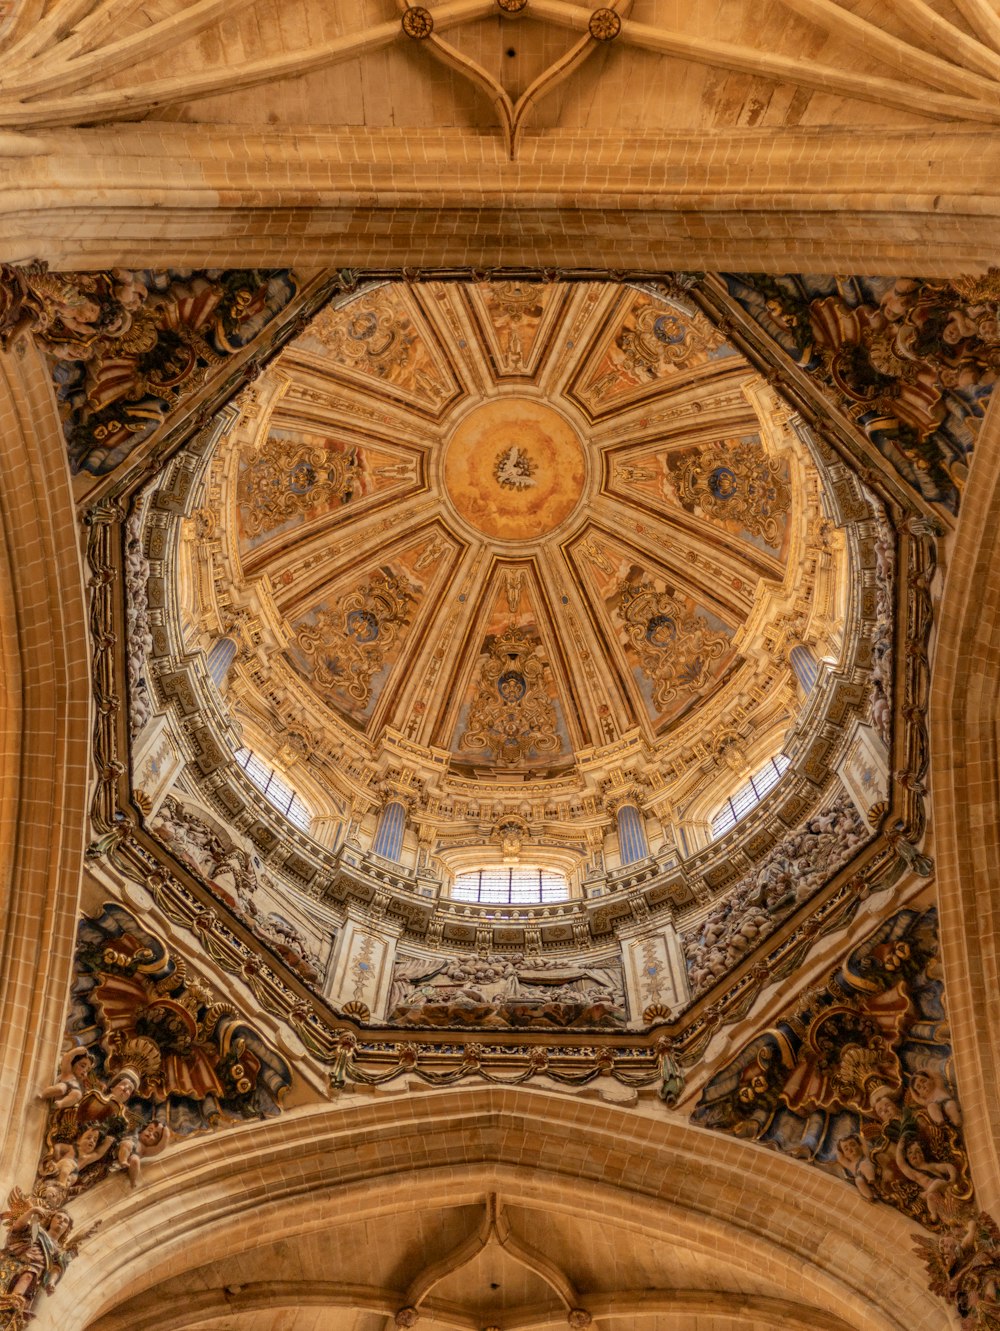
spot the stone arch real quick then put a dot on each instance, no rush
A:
(965, 789)
(212, 1200)
(45, 739)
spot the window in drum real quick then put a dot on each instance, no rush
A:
(503, 885)
(737, 806)
(276, 791)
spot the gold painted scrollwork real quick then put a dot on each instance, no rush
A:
(676, 647)
(736, 483)
(289, 477)
(347, 646)
(511, 714)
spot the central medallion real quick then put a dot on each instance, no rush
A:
(514, 469)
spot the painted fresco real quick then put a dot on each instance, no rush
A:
(507, 991)
(730, 483)
(125, 348)
(515, 317)
(677, 649)
(296, 477)
(911, 361)
(380, 341)
(511, 715)
(651, 343)
(514, 469)
(348, 642)
(859, 1081)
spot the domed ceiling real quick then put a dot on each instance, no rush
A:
(507, 528)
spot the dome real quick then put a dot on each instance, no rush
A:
(488, 574)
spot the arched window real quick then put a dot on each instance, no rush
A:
(805, 666)
(737, 806)
(220, 657)
(277, 792)
(510, 885)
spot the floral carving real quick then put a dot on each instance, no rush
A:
(289, 477)
(912, 361)
(858, 1081)
(346, 647)
(676, 648)
(604, 25)
(417, 22)
(126, 347)
(736, 483)
(511, 715)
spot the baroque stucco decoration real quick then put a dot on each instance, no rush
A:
(154, 1054)
(859, 1081)
(207, 888)
(826, 844)
(125, 348)
(911, 362)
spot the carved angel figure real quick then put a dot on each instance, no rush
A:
(37, 1251)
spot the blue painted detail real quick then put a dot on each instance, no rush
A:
(389, 834)
(220, 658)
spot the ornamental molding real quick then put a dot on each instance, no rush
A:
(660, 889)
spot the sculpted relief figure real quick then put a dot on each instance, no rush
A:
(790, 873)
(507, 991)
(37, 1252)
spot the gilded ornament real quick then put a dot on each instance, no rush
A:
(677, 648)
(511, 715)
(979, 288)
(514, 469)
(511, 831)
(736, 483)
(371, 336)
(659, 338)
(346, 647)
(289, 477)
(417, 22)
(604, 25)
